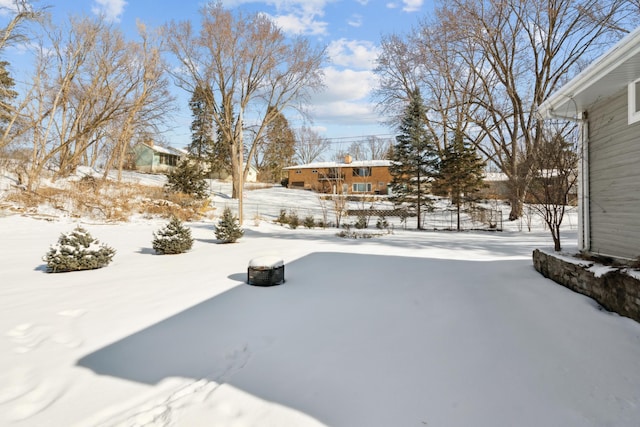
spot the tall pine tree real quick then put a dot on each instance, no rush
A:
(415, 160)
(461, 172)
(278, 148)
(7, 95)
(221, 153)
(202, 125)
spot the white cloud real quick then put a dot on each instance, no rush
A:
(110, 9)
(359, 54)
(355, 20)
(412, 5)
(294, 16)
(300, 24)
(345, 98)
(7, 7)
(363, 2)
(409, 5)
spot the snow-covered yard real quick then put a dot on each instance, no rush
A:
(407, 329)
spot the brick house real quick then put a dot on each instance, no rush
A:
(348, 177)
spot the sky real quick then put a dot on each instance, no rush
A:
(351, 30)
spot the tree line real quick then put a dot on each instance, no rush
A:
(483, 68)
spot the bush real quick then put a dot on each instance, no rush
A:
(382, 223)
(228, 229)
(189, 179)
(174, 238)
(282, 218)
(309, 221)
(294, 220)
(361, 222)
(76, 251)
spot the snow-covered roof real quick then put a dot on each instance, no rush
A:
(495, 176)
(166, 150)
(353, 164)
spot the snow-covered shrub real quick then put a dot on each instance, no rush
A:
(77, 250)
(228, 229)
(382, 223)
(361, 222)
(173, 238)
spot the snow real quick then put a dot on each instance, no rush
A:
(405, 329)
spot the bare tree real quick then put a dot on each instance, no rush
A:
(250, 67)
(310, 146)
(485, 66)
(555, 173)
(377, 148)
(148, 100)
(13, 33)
(21, 11)
(527, 48)
(89, 80)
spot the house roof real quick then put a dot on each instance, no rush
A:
(166, 150)
(610, 73)
(353, 164)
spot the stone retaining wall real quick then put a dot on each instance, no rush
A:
(614, 289)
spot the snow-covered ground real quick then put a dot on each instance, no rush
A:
(406, 329)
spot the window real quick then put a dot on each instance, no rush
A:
(314, 171)
(361, 187)
(634, 101)
(298, 171)
(168, 159)
(361, 171)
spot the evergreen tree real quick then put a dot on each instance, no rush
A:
(277, 148)
(76, 251)
(415, 160)
(201, 145)
(228, 229)
(461, 172)
(220, 158)
(174, 238)
(7, 95)
(188, 178)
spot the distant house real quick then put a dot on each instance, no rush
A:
(605, 100)
(348, 177)
(252, 175)
(153, 158)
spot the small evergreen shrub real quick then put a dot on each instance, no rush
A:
(228, 229)
(77, 250)
(189, 179)
(282, 218)
(382, 223)
(309, 221)
(174, 238)
(361, 222)
(294, 220)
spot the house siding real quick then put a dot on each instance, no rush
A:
(324, 179)
(614, 179)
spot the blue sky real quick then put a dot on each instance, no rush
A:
(351, 30)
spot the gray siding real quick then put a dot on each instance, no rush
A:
(614, 180)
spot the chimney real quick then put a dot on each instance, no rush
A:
(348, 159)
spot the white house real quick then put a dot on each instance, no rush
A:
(605, 100)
